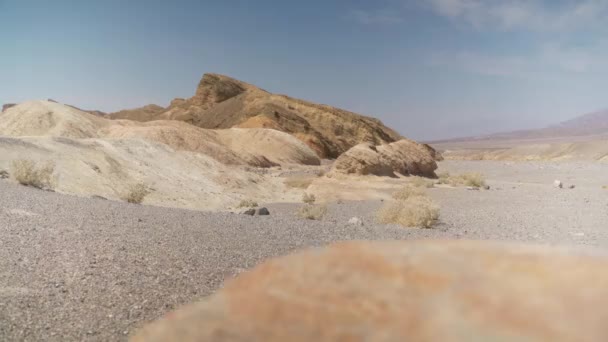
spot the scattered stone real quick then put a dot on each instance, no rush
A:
(99, 197)
(558, 184)
(401, 285)
(472, 188)
(4, 174)
(355, 221)
(486, 187)
(572, 186)
(262, 212)
(249, 212)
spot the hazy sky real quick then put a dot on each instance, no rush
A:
(429, 68)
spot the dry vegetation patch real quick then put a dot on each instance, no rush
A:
(136, 193)
(407, 192)
(472, 179)
(410, 207)
(248, 203)
(309, 198)
(27, 173)
(313, 212)
(421, 182)
(414, 212)
(299, 182)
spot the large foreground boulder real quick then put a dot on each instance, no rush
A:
(404, 157)
(405, 291)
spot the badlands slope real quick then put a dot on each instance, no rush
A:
(186, 166)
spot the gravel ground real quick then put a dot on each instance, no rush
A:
(523, 205)
(74, 269)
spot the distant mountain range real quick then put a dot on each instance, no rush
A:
(592, 125)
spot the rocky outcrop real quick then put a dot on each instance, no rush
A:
(145, 113)
(7, 106)
(405, 291)
(223, 102)
(403, 157)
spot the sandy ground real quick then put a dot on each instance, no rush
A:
(75, 268)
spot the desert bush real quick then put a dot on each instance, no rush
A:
(443, 177)
(407, 192)
(136, 193)
(308, 198)
(312, 212)
(421, 182)
(415, 211)
(472, 179)
(27, 173)
(248, 203)
(299, 182)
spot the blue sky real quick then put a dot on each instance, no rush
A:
(429, 68)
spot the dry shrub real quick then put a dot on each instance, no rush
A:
(299, 182)
(411, 207)
(309, 198)
(407, 192)
(136, 193)
(313, 212)
(421, 182)
(26, 173)
(472, 179)
(443, 177)
(416, 211)
(248, 203)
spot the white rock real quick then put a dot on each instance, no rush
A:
(558, 184)
(355, 221)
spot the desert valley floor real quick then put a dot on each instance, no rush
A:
(76, 268)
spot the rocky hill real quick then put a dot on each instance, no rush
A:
(224, 102)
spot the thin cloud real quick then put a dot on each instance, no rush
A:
(548, 59)
(522, 15)
(376, 17)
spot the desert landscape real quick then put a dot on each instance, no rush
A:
(110, 221)
(361, 171)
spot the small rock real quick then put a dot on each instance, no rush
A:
(249, 212)
(355, 221)
(572, 186)
(262, 212)
(486, 187)
(558, 184)
(472, 188)
(3, 174)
